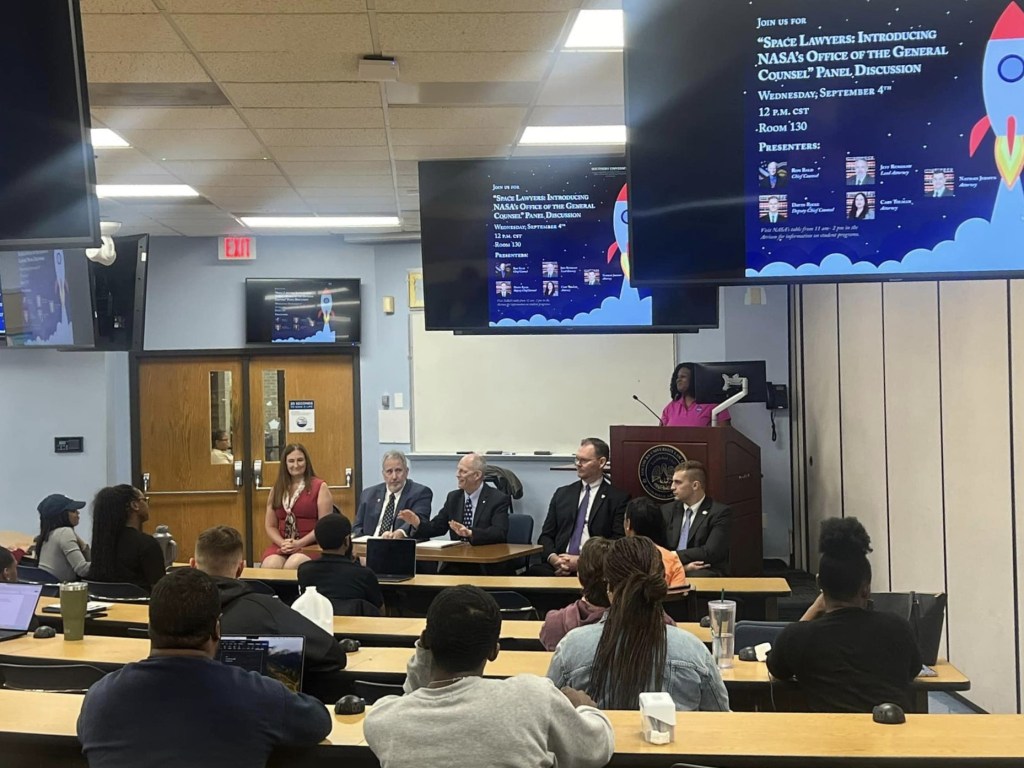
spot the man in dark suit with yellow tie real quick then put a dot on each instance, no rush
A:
(697, 526)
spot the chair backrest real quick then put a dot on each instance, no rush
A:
(520, 531)
(355, 607)
(370, 692)
(750, 633)
(30, 574)
(117, 592)
(54, 678)
(514, 606)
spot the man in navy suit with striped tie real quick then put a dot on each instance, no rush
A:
(381, 505)
(699, 525)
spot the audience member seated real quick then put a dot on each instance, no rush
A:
(588, 609)
(591, 506)
(336, 574)
(380, 505)
(299, 498)
(180, 707)
(631, 649)
(454, 716)
(644, 518)
(697, 527)
(219, 552)
(475, 513)
(8, 566)
(220, 453)
(121, 552)
(59, 549)
(845, 657)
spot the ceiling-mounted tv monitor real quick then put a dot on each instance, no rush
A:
(47, 171)
(119, 295)
(539, 245)
(801, 140)
(302, 311)
(46, 299)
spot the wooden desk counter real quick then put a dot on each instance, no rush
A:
(466, 553)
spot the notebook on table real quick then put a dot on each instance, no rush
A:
(392, 560)
(278, 656)
(17, 607)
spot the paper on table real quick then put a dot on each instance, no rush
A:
(438, 543)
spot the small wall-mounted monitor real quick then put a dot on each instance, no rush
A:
(119, 295)
(46, 299)
(302, 311)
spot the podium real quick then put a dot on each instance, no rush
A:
(643, 460)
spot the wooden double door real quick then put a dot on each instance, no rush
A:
(212, 431)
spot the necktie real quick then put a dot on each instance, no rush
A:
(685, 533)
(581, 520)
(467, 514)
(389, 515)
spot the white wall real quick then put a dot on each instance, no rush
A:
(912, 425)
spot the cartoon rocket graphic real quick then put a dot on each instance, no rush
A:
(326, 306)
(620, 225)
(1002, 83)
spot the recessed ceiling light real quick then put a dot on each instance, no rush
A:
(319, 222)
(596, 29)
(145, 190)
(574, 134)
(104, 138)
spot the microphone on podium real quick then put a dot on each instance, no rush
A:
(655, 415)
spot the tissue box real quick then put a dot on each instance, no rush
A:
(658, 717)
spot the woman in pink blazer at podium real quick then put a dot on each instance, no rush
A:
(684, 410)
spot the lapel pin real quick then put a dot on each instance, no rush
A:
(704, 512)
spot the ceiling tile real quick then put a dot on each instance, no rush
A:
(169, 118)
(340, 154)
(209, 228)
(289, 67)
(322, 137)
(408, 167)
(243, 182)
(593, 79)
(342, 192)
(197, 145)
(335, 32)
(316, 185)
(475, 6)
(144, 68)
(470, 31)
(611, 115)
(364, 117)
(355, 205)
(445, 153)
(182, 209)
(595, 150)
(203, 170)
(471, 94)
(127, 162)
(118, 6)
(216, 194)
(444, 137)
(315, 95)
(264, 6)
(244, 207)
(456, 117)
(373, 168)
(121, 33)
(473, 67)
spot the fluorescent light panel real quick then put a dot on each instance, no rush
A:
(145, 190)
(573, 134)
(596, 29)
(319, 222)
(104, 138)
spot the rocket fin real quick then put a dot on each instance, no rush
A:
(978, 133)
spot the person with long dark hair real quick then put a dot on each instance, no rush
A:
(846, 657)
(632, 650)
(299, 498)
(860, 207)
(8, 566)
(121, 552)
(644, 518)
(61, 552)
(683, 410)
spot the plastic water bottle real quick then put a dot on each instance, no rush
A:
(316, 608)
(168, 546)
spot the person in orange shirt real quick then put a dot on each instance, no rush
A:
(644, 518)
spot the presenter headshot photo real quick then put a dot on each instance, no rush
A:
(860, 171)
(773, 209)
(773, 176)
(938, 182)
(859, 206)
(503, 288)
(683, 410)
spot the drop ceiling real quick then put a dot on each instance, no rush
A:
(258, 106)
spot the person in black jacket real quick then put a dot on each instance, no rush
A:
(121, 552)
(219, 553)
(336, 574)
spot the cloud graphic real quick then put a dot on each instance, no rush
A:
(62, 334)
(977, 246)
(626, 309)
(324, 335)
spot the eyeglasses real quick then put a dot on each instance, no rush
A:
(582, 460)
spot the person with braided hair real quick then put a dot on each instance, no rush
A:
(846, 657)
(447, 716)
(631, 650)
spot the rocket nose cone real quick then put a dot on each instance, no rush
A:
(1010, 24)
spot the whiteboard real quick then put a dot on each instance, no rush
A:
(531, 393)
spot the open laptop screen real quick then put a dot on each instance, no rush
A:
(390, 558)
(18, 605)
(277, 656)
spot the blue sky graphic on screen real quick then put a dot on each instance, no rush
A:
(962, 208)
(303, 316)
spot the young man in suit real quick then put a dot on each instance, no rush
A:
(474, 513)
(589, 507)
(697, 526)
(380, 505)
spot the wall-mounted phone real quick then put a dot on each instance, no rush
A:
(778, 397)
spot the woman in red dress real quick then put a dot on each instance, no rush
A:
(297, 501)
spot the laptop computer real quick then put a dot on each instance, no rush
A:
(281, 657)
(393, 560)
(17, 607)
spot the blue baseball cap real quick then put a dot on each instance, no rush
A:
(56, 503)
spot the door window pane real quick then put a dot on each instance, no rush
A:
(221, 447)
(273, 415)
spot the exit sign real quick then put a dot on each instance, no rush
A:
(237, 249)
